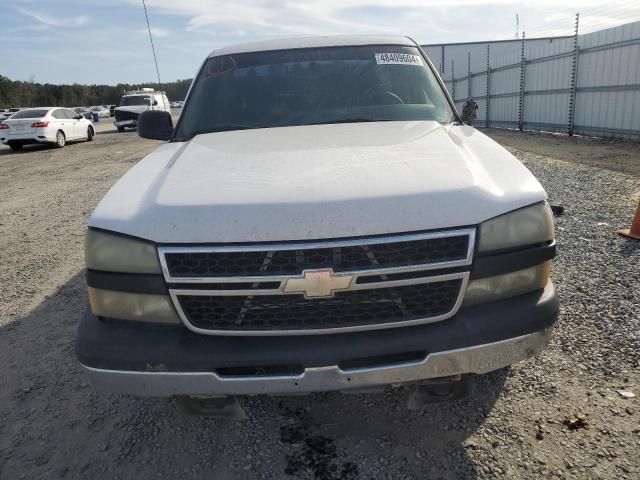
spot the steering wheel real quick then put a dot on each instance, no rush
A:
(395, 96)
(372, 90)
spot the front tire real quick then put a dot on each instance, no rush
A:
(61, 140)
(16, 147)
(89, 134)
(121, 129)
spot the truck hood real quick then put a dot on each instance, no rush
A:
(133, 108)
(317, 182)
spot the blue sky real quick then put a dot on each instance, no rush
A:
(93, 41)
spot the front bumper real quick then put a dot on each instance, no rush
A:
(125, 123)
(477, 359)
(165, 361)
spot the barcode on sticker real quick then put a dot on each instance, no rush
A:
(398, 59)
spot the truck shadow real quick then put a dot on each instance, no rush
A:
(115, 130)
(337, 436)
(54, 424)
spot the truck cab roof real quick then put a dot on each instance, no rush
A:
(314, 42)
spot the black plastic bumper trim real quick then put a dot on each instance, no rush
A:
(119, 346)
(127, 282)
(500, 263)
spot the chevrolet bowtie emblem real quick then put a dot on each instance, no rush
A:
(318, 283)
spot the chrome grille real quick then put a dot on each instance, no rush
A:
(344, 309)
(340, 259)
(366, 283)
(124, 115)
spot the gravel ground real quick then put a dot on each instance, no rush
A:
(559, 415)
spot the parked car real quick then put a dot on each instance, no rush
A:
(7, 112)
(112, 109)
(45, 125)
(84, 111)
(87, 113)
(102, 110)
(290, 240)
(135, 102)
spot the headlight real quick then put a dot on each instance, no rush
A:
(132, 306)
(490, 289)
(525, 226)
(116, 253)
(109, 252)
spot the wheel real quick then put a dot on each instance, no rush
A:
(89, 134)
(121, 129)
(61, 140)
(16, 147)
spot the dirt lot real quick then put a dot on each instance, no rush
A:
(608, 154)
(564, 414)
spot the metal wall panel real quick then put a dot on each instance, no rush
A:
(606, 98)
(503, 92)
(478, 86)
(504, 111)
(458, 53)
(550, 109)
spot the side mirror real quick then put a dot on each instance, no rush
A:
(79, 117)
(155, 125)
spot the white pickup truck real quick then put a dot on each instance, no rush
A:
(133, 103)
(319, 219)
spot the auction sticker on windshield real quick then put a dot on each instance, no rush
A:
(398, 59)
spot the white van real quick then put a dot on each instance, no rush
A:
(135, 102)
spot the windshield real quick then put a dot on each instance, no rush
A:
(29, 113)
(313, 86)
(134, 100)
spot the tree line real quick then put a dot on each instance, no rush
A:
(15, 93)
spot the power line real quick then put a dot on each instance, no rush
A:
(623, 7)
(591, 18)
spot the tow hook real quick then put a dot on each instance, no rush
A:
(440, 389)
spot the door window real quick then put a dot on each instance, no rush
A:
(59, 114)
